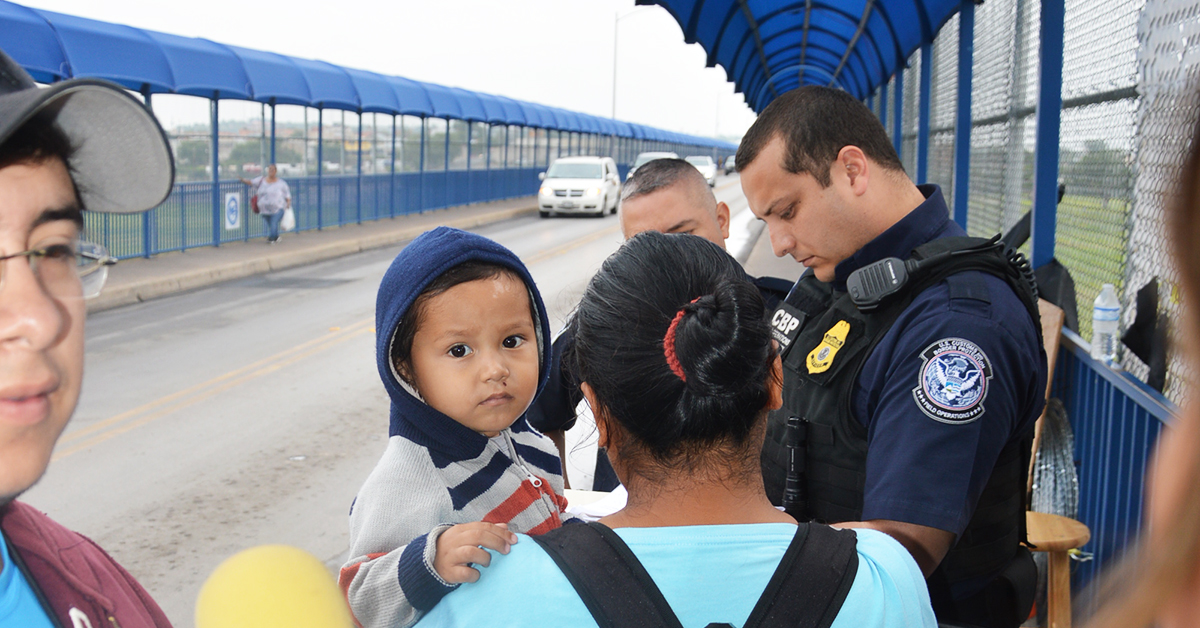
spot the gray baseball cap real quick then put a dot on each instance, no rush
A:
(122, 162)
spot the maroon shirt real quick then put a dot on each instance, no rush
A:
(73, 575)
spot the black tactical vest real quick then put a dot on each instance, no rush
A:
(826, 339)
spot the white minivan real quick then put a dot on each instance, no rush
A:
(579, 185)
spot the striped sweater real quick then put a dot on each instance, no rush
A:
(436, 472)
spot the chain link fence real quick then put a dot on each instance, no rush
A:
(1130, 71)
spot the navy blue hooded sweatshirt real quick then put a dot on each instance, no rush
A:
(437, 472)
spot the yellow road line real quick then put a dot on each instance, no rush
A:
(96, 433)
(573, 244)
(726, 186)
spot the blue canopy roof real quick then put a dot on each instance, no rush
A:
(28, 38)
(274, 76)
(414, 100)
(768, 47)
(53, 47)
(203, 68)
(470, 105)
(121, 54)
(375, 93)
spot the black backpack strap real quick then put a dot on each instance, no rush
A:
(812, 580)
(609, 579)
(807, 590)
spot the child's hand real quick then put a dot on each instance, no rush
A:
(462, 545)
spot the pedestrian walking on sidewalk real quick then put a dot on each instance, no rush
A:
(274, 197)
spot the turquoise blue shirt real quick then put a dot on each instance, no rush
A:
(18, 604)
(706, 573)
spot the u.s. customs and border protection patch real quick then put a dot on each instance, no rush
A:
(821, 357)
(953, 382)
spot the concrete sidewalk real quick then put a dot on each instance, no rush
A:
(140, 279)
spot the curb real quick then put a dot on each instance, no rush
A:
(182, 282)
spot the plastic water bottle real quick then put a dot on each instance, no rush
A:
(1106, 312)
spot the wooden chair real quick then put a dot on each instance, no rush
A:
(1048, 533)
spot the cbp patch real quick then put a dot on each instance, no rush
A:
(953, 382)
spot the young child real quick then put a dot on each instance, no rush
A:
(462, 345)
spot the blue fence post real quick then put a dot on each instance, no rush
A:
(547, 148)
(883, 108)
(424, 123)
(488, 162)
(320, 167)
(898, 113)
(923, 116)
(216, 174)
(446, 167)
(147, 217)
(392, 184)
(470, 179)
(507, 141)
(962, 125)
(272, 103)
(1049, 114)
(358, 177)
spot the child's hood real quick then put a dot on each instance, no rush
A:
(423, 260)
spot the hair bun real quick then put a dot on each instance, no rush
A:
(718, 342)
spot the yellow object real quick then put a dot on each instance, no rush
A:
(271, 586)
(820, 358)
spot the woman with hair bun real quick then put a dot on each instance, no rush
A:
(677, 362)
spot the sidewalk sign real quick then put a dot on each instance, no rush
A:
(233, 211)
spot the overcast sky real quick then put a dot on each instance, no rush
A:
(554, 52)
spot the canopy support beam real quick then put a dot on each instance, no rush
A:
(898, 120)
(962, 126)
(216, 173)
(923, 117)
(1049, 116)
(320, 166)
(358, 178)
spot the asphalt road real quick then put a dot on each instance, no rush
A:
(250, 412)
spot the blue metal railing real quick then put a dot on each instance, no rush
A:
(185, 219)
(1116, 420)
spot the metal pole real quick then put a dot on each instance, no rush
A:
(147, 217)
(962, 125)
(216, 174)
(898, 121)
(392, 182)
(470, 179)
(446, 168)
(358, 178)
(272, 130)
(923, 115)
(320, 166)
(507, 141)
(424, 123)
(1049, 114)
(883, 96)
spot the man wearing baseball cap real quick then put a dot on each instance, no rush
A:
(74, 146)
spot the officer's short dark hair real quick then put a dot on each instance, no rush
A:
(659, 174)
(816, 123)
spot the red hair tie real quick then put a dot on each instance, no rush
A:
(669, 344)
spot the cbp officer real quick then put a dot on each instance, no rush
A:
(665, 195)
(909, 402)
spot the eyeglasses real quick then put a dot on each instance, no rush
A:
(67, 270)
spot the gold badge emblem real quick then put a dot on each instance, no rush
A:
(820, 358)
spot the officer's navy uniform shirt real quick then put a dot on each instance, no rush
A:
(918, 469)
